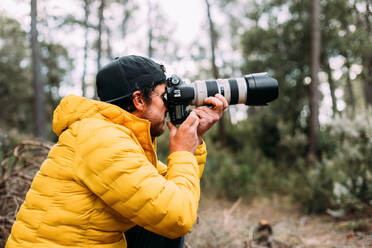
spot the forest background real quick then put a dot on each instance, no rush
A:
(313, 144)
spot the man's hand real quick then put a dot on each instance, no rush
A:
(208, 116)
(185, 138)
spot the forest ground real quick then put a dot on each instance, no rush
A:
(220, 223)
(232, 224)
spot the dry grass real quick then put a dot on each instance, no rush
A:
(17, 170)
(228, 224)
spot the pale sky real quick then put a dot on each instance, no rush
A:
(185, 17)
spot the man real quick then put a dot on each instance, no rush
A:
(103, 178)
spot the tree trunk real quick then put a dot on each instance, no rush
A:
(332, 87)
(368, 82)
(213, 40)
(108, 42)
(86, 26)
(368, 58)
(99, 41)
(39, 98)
(150, 49)
(349, 87)
(314, 93)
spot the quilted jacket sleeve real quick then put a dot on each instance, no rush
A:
(201, 157)
(115, 168)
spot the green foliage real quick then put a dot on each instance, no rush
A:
(16, 89)
(9, 139)
(56, 65)
(312, 188)
(270, 148)
(163, 146)
(15, 80)
(276, 49)
(352, 157)
(240, 168)
(343, 177)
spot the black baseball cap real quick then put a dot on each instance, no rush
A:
(125, 75)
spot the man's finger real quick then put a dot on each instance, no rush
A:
(191, 119)
(202, 111)
(195, 124)
(223, 99)
(217, 103)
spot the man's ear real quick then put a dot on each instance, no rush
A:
(138, 101)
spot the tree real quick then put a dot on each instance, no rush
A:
(213, 45)
(40, 128)
(159, 34)
(314, 92)
(273, 45)
(56, 64)
(150, 31)
(99, 39)
(16, 89)
(367, 55)
(86, 44)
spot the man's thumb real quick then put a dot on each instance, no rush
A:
(172, 128)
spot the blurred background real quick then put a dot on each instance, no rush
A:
(312, 146)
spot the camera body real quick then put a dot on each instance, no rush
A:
(253, 89)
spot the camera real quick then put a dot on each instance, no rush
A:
(253, 89)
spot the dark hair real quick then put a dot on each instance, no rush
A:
(127, 103)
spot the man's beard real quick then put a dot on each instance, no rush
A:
(156, 131)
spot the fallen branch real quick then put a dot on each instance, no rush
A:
(17, 171)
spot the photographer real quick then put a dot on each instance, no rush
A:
(103, 178)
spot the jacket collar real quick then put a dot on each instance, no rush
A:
(74, 108)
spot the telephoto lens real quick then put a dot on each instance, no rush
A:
(252, 89)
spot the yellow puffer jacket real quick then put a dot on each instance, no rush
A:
(102, 178)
